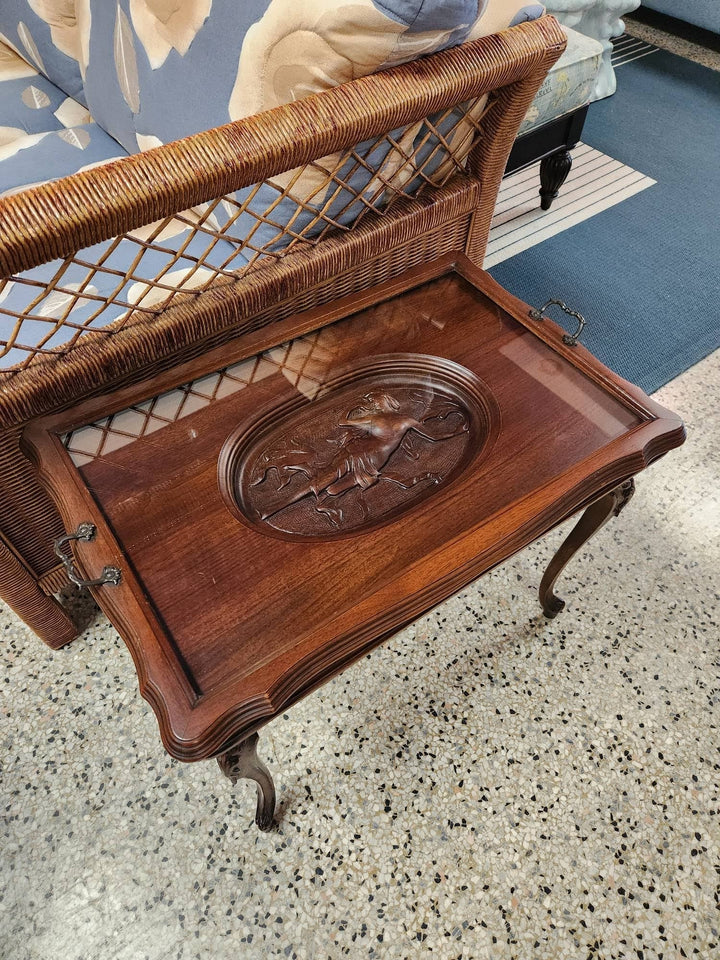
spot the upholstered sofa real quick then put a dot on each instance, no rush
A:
(87, 83)
(320, 157)
(700, 13)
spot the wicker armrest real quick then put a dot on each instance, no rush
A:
(312, 137)
(56, 219)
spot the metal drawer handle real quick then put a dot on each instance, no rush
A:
(86, 531)
(571, 339)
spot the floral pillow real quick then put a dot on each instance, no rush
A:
(46, 33)
(159, 71)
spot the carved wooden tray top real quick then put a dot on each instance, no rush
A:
(288, 507)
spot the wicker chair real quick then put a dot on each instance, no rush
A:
(479, 92)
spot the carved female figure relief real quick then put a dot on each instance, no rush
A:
(380, 438)
(358, 455)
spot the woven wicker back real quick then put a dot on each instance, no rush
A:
(252, 222)
(136, 276)
(126, 242)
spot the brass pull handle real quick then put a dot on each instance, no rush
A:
(86, 531)
(571, 339)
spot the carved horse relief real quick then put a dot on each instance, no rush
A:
(370, 447)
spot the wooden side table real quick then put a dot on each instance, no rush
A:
(258, 519)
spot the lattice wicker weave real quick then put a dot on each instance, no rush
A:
(417, 157)
(445, 141)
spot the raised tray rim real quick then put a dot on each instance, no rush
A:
(195, 726)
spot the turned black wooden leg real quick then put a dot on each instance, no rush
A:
(554, 171)
(596, 515)
(243, 761)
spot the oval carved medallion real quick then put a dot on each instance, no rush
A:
(380, 438)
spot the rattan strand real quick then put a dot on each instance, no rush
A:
(446, 156)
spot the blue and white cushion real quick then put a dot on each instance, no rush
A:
(45, 135)
(47, 34)
(152, 72)
(159, 71)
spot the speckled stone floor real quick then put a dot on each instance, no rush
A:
(685, 46)
(488, 784)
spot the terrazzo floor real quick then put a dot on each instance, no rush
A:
(488, 784)
(690, 45)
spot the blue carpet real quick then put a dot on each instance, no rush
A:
(645, 272)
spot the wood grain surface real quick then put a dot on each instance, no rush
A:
(229, 623)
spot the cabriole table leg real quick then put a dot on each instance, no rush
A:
(595, 517)
(243, 761)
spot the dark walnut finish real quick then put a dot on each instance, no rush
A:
(242, 761)
(407, 420)
(278, 511)
(595, 517)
